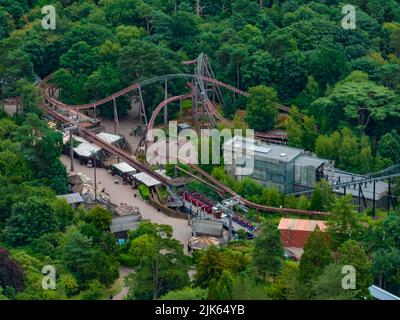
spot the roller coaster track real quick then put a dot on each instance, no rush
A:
(385, 174)
(252, 204)
(130, 159)
(135, 86)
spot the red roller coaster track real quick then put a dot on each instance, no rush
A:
(130, 159)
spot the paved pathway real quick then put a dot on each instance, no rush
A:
(123, 272)
(120, 193)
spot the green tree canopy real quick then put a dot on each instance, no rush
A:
(262, 108)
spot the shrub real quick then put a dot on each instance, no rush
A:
(144, 192)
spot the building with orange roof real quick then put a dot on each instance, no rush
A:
(295, 232)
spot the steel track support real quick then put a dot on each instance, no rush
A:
(116, 122)
(374, 200)
(142, 114)
(180, 110)
(166, 107)
(389, 194)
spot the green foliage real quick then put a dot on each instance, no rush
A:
(268, 251)
(343, 222)
(160, 264)
(349, 152)
(322, 196)
(99, 217)
(186, 294)
(222, 288)
(29, 220)
(70, 285)
(262, 108)
(315, 258)
(328, 285)
(144, 192)
(94, 291)
(351, 253)
(85, 261)
(209, 267)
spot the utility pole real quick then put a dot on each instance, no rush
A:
(71, 145)
(95, 177)
(71, 150)
(228, 206)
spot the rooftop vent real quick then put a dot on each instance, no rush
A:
(283, 155)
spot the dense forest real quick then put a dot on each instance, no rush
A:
(346, 83)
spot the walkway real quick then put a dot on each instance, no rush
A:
(120, 193)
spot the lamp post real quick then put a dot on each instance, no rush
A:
(71, 145)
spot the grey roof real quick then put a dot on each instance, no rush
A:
(307, 161)
(124, 167)
(71, 198)
(124, 223)
(262, 149)
(146, 179)
(108, 137)
(85, 149)
(208, 227)
(381, 294)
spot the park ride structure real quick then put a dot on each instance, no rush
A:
(202, 83)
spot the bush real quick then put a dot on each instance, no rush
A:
(70, 285)
(94, 292)
(144, 192)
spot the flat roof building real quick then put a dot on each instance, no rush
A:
(275, 166)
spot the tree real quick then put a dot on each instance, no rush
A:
(222, 288)
(262, 108)
(389, 146)
(360, 99)
(42, 146)
(386, 269)
(351, 253)
(343, 222)
(328, 285)
(94, 290)
(85, 261)
(63, 211)
(160, 264)
(18, 67)
(32, 96)
(285, 284)
(133, 61)
(210, 266)
(11, 273)
(15, 167)
(99, 217)
(79, 59)
(268, 251)
(29, 220)
(327, 66)
(186, 294)
(315, 258)
(322, 196)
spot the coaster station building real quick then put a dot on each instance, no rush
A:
(292, 170)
